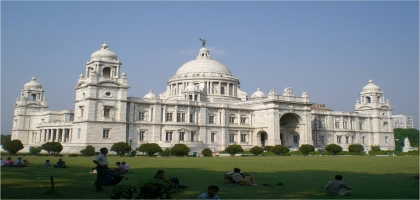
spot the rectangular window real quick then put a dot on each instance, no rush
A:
(71, 118)
(82, 109)
(180, 117)
(363, 139)
(231, 137)
(168, 136)
(105, 133)
(181, 136)
(337, 125)
(168, 117)
(192, 136)
(322, 139)
(222, 90)
(212, 137)
(78, 133)
(141, 116)
(243, 137)
(386, 139)
(243, 120)
(347, 139)
(361, 126)
(232, 120)
(344, 125)
(107, 111)
(295, 139)
(338, 139)
(211, 119)
(141, 136)
(191, 118)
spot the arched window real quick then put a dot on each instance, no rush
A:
(106, 72)
(33, 97)
(368, 100)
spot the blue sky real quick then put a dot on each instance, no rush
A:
(328, 49)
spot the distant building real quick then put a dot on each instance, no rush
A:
(203, 106)
(402, 121)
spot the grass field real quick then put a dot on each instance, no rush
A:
(371, 177)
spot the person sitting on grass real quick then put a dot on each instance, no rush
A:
(47, 164)
(9, 162)
(337, 187)
(243, 179)
(19, 163)
(60, 164)
(113, 178)
(174, 181)
(119, 169)
(3, 163)
(125, 166)
(210, 194)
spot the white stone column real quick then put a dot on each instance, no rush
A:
(164, 114)
(71, 135)
(62, 135)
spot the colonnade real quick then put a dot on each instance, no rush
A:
(230, 89)
(63, 135)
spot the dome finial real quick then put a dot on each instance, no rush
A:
(104, 46)
(370, 81)
(33, 78)
(203, 41)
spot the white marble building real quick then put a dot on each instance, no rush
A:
(402, 121)
(202, 107)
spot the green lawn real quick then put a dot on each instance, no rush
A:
(371, 177)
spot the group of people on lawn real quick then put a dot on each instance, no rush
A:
(59, 164)
(10, 163)
(106, 177)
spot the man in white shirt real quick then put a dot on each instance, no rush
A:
(101, 162)
(126, 167)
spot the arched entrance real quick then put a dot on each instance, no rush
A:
(289, 130)
(263, 137)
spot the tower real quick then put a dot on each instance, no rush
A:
(100, 106)
(28, 110)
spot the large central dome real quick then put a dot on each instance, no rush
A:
(203, 64)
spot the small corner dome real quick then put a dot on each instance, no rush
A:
(104, 54)
(371, 87)
(258, 94)
(150, 95)
(32, 84)
(192, 88)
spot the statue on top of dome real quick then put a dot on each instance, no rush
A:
(203, 41)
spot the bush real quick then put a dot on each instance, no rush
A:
(88, 151)
(52, 147)
(268, 148)
(35, 150)
(375, 148)
(207, 152)
(306, 148)
(154, 189)
(280, 150)
(121, 148)
(233, 149)
(165, 153)
(356, 148)
(13, 146)
(150, 148)
(256, 150)
(268, 153)
(333, 149)
(180, 150)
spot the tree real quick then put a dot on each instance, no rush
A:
(121, 148)
(52, 147)
(207, 152)
(268, 148)
(357, 148)
(88, 151)
(13, 146)
(280, 150)
(5, 138)
(233, 149)
(180, 150)
(306, 148)
(256, 150)
(375, 148)
(150, 148)
(333, 149)
(401, 133)
(35, 150)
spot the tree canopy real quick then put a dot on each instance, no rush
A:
(121, 148)
(207, 152)
(13, 146)
(88, 151)
(256, 150)
(333, 149)
(306, 148)
(402, 133)
(180, 150)
(234, 149)
(5, 138)
(150, 148)
(52, 147)
(280, 150)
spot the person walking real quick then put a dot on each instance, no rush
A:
(101, 162)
